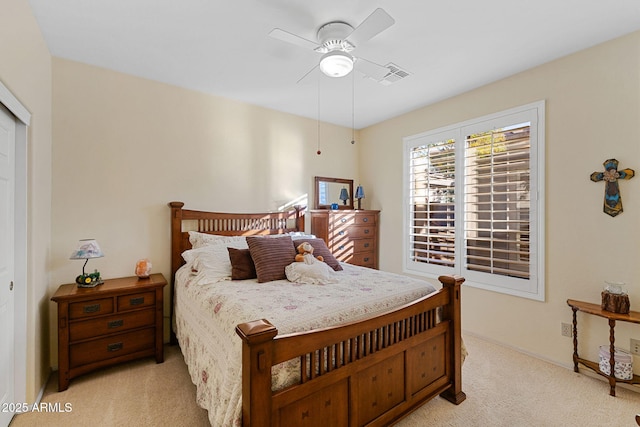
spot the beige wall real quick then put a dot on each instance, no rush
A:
(25, 69)
(124, 147)
(592, 114)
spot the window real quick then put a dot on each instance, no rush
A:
(474, 202)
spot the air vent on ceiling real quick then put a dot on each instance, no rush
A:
(395, 74)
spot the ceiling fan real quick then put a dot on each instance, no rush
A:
(336, 41)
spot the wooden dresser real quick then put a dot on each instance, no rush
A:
(351, 235)
(117, 321)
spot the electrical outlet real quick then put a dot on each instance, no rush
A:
(635, 347)
(567, 332)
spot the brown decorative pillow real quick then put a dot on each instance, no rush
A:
(242, 266)
(320, 249)
(271, 256)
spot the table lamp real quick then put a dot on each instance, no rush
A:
(87, 248)
(359, 195)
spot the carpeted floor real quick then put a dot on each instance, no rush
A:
(504, 388)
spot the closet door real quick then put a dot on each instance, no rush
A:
(7, 203)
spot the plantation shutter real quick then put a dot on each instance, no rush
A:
(432, 202)
(497, 201)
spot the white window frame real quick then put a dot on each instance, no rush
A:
(534, 286)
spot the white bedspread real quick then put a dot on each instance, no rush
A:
(207, 313)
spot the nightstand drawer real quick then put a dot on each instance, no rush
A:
(113, 346)
(112, 324)
(133, 301)
(364, 259)
(92, 308)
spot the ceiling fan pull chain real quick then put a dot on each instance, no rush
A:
(353, 108)
(318, 152)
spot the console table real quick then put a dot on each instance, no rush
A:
(596, 310)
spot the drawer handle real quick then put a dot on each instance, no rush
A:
(136, 301)
(115, 324)
(343, 220)
(341, 233)
(93, 308)
(366, 245)
(366, 231)
(365, 219)
(341, 247)
(114, 347)
(366, 259)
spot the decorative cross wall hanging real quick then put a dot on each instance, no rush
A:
(610, 176)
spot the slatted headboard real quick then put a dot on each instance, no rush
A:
(228, 224)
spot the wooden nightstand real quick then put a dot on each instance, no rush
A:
(117, 321)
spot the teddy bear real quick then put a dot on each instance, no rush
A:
(309, 269)
(305, 254)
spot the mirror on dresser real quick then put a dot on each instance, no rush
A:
(333, 191)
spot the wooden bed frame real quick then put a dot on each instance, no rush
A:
(367, 373)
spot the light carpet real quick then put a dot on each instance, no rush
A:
(504, 388)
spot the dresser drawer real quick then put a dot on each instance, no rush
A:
(357, 232)
(353, 232)
(363, 245)
(365, 259)
(111, 324)
(353, 245)
(133, 301)
(78, 310)
(109, 347)
(339, 220)
(365, 219)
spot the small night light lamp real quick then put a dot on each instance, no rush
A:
(87, 249)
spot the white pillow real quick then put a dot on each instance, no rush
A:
(212, 261)
(199, 240)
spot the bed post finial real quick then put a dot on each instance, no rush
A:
(451, 312)
(257, 347)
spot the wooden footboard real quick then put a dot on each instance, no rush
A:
(372, 372)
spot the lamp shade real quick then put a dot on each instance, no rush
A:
(359, 192)
(336, 63)
(87, 248)
(344, 195)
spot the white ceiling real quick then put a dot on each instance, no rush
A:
(222, 47)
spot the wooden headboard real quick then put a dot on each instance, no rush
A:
(228, 224)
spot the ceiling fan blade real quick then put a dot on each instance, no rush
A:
(371, 69)
(374, 24)
(308, 77)
(288, 37)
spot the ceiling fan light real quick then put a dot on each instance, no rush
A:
(336, 63)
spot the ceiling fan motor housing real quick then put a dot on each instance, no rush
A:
(332, 36)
